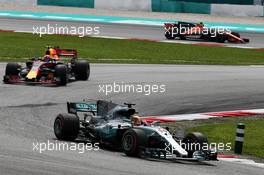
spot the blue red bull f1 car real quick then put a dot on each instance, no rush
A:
(50, 69)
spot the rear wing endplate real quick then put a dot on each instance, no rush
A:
(73, 107)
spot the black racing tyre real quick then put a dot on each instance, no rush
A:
(169, 36)
(66, 127)
(82, 70)
(221, 38)
(61, 75)
(132, 141)
(182, 37)
(246, 40)
(194, 142)
(12, 69)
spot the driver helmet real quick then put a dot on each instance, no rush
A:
(53, 53)
(136, 120)
(201, 24)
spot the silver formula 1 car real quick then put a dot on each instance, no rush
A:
(110, 125)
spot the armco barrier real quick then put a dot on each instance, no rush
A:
(68, 3)
(237, 10)
(241, 2)
(191, 7)
(175, 6)
(136, 5)
(24, 2)
(165, 6)
(180, 7)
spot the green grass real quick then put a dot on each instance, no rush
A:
(225, 133)
(20, 46)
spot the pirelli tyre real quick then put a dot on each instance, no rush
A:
(66, 127)
(169, 35)
(61, 75)
(132, 142)
(194, 142)
(12, 69)
(82, 70)
(221, 38)
(182, 37)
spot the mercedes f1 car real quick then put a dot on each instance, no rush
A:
(110, 124)
(50, 69)
(193, 31)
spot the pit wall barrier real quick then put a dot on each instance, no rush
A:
(133, 5)
(237, 10)
(241, 2)
(68, 3)
(215, 7)
(187, 6)
(180, 7)
(25, 2)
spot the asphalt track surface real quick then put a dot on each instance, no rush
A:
(117, 30)
(27, 114)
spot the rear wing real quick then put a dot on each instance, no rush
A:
(99, 107)
(74, 107)
(67, 52)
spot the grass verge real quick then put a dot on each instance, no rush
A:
(21, 46)
(224, 132)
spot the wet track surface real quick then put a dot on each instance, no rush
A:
(117, 30)
(27, 114)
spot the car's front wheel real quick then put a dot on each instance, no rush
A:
(133, 140)
(66, 127)
(12, 69)
(82, 70)
(61, 75)
(169, 35)
(193, 142)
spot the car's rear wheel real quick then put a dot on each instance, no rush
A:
(221, 38)
(82, 70)
(133, 140)
(194, 142)
(61, 75)
(66, 127)
(12, 69)
(182, 37)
